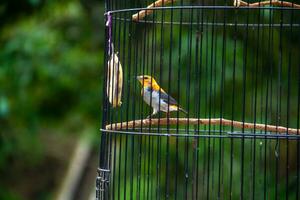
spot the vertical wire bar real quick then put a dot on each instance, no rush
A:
(280, 75)
(113, 167)
(249, 149)
(225, 107)
(161, 63)
(167, 185)
(222, 85)
(205, 146)
(153, 63)
(244, 104)
(261, 116)
(195, 140)
(270, 56)
(288, 99)
(147, 139)
(268, 80)
(205, 96)
(201, 35)
(120, 167)
(298, 141)
(210, 98)
(141, 70)
(143, 56)
(109, 115)
(214, 103)
(187, 93)
(271, 86)
(265, 141)
(178, 89)
(118, 111)
(152, 71)
(233, 102)
(278, 105)
(113, 173)
(270, 63)
(149, 163)
(197, 101)
(103, 143)
(121, 138)
(113, 115)
(138, 69)
(251, 114)
(112, 38)
(255, 107)
(157, 157)
(130, 32)
(135, 64)
(188, 75)
(104, 106)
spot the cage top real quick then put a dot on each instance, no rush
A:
(235, 13)
(137, 5)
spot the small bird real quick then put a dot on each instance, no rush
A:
(159, 102)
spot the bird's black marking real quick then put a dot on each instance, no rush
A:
(168, 99)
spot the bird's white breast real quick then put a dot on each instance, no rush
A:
(153, 100)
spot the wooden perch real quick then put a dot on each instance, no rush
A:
(240, 3)
(143, 13)
(237, 3)
(194, 121)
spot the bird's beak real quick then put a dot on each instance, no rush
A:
(139, 78)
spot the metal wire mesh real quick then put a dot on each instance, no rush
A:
(219, 62)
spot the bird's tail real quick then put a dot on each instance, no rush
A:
(182, 110)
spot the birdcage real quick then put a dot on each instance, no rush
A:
(200, 100)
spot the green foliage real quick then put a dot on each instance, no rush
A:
(49, 74)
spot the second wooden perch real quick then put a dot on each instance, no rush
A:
(240, 3)
(194, 121)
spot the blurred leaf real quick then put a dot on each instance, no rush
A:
(4, 106)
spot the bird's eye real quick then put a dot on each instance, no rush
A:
(145, 78)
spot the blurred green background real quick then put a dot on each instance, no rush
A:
(50, 57)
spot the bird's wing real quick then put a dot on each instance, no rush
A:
(165, 97)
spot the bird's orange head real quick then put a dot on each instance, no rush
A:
(148, 81)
